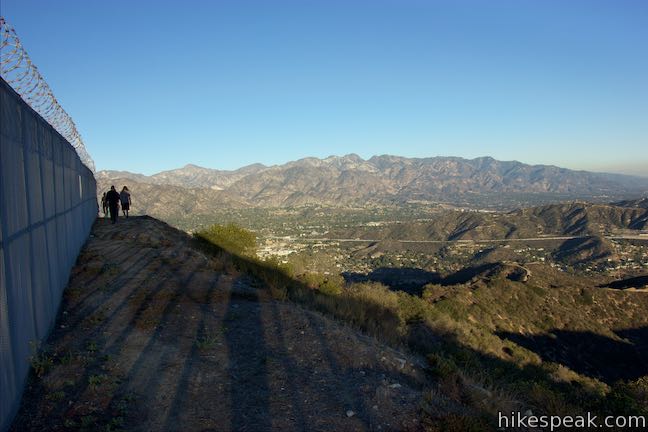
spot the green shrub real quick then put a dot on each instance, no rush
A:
(231, 237)
(433, 292)
(441, 365)
(286, 269)
(41, 360)
(327, 284)
(585, 297)
(451, 308)
(548, 399)
(411, 309)
(331, 287)
(628, 397)
(312, 280)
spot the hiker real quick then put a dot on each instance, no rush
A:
(104, 205)
(125, 199)
(112, 197)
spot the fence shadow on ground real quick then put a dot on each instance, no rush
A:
(169, 343)
(153, 340)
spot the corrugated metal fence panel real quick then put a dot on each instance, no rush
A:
(8, 379)
(47, 207)
(49, 197)
(13, 179)
(56, 272)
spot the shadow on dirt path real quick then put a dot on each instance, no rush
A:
(154, 335)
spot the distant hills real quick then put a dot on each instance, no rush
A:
(581, 230)
(572, 219)
(641, 203)
(352, 181)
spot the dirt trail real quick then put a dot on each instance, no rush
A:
(155, 336)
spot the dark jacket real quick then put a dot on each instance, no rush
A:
(112, 197)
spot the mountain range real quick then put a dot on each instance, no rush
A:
(353, 181)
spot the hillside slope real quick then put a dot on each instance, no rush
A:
(155, 335)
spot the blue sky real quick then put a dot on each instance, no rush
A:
(154, 85)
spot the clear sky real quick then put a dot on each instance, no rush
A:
(154, 85)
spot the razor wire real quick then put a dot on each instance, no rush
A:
(22, 75)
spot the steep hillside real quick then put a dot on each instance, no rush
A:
(560, 341)
(154, 335)
(159, 331)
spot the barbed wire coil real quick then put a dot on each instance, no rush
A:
(18, 70)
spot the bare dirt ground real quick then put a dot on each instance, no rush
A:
(155, 336)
